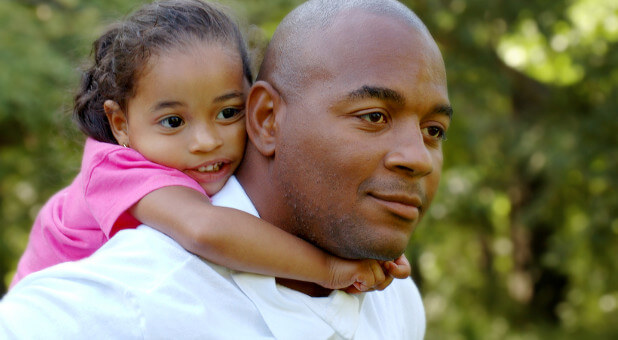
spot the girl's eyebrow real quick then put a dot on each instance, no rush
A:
(231, 95)
(166, 104)
(175, 103)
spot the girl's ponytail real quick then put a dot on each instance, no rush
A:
(96, 86)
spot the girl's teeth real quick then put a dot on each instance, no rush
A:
(210, 168)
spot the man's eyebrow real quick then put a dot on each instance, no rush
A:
(444, 109)
(227, 96)
(375, 92)
(384, 93)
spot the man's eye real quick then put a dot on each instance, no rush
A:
(434, 132)
(228, 113)
(374, 117)
(171, 122)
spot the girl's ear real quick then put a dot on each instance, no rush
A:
(117, 121)
(265, 107)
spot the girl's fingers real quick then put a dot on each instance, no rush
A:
(399, 268)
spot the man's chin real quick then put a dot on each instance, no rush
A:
(389, 255)
(389, 247)
(378, 251)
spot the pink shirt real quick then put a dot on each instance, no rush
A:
(80, 218)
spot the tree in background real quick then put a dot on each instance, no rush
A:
(522, 239)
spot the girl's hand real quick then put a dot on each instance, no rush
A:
(355, 276)
(399, 268)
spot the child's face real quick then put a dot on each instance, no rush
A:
(188, 112)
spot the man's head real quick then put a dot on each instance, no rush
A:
(346, 121)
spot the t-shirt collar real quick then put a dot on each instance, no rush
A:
(287, 312)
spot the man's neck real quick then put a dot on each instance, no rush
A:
(256, 184)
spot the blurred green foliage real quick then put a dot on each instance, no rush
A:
(522, 240)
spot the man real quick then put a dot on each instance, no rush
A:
(346, 122)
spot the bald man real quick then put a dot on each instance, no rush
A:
(346, 123)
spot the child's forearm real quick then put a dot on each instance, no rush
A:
(244, 242)
(233, 238)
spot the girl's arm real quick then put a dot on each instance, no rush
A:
(243, 242)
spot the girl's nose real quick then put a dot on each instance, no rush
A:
(205, 139)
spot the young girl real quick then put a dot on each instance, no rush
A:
(163, 107)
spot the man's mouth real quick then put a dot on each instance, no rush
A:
(210, 167)
(404, 206)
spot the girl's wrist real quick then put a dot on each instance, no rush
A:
(331, 265)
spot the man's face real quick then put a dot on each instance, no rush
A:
(360, 155)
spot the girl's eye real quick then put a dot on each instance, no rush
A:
(434, 132)
(228, 113)
(172, 122)
(374, 117)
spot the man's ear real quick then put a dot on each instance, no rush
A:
(117, 121)
(264, 108)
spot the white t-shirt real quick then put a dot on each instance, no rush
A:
(143, 285)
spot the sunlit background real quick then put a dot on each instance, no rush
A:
(522, 240)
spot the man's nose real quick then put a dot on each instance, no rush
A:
(410, 154)
(204, 138)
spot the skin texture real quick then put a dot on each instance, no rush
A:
(188, 113)
(352, 163)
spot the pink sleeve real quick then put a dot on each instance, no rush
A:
(119, 180)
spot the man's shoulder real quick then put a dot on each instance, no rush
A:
(143, 259)
(134, 259)
(139, 283)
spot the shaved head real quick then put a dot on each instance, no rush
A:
(291, 61)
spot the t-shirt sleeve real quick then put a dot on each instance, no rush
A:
(119, 179)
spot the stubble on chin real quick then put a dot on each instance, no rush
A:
(316, 214)
(346, 236)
